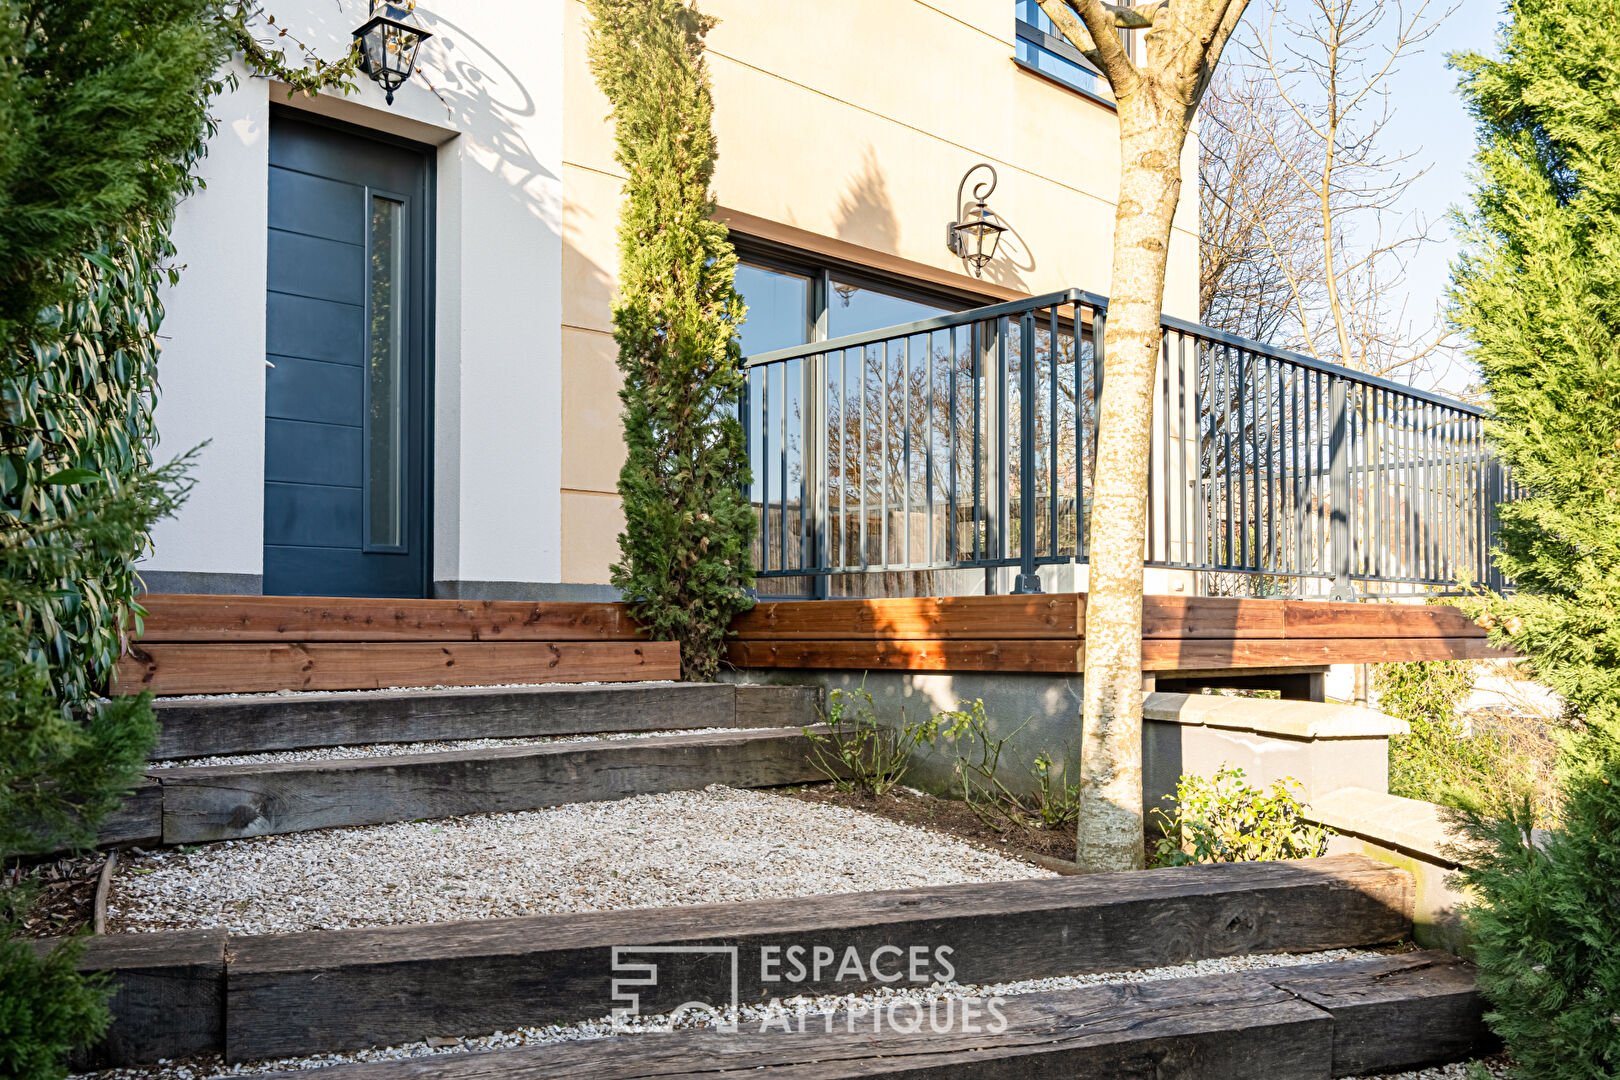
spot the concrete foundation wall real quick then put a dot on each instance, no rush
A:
(1324, 747)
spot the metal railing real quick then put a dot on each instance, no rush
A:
(966, 443)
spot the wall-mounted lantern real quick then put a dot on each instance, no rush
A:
(388, 44)
(973, 239)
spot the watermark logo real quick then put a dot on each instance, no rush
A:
(631, 977)
(916, 988)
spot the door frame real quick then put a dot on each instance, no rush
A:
(427, 323)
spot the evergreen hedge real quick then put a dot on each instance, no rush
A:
(684, 554)
(1538, 291)
(103, 116)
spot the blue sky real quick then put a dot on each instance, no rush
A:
(1429, 119)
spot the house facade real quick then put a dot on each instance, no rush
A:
(392, 334)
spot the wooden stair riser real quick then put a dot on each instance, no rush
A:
(256, 725)
(1234, 1027)
(340, 990)
(227, 802)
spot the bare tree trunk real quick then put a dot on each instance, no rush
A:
(1110, 826)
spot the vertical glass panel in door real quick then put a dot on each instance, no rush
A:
(385, 390)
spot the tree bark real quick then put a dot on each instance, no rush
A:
(1153, 129)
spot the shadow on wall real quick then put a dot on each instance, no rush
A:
(865, 215)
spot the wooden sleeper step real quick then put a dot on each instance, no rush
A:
(259, 724)
(1304, 1023)
(227, 802)
(346, 989)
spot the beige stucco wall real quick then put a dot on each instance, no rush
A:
(853, 120)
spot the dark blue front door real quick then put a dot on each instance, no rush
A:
(346, 372)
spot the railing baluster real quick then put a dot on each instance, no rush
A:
(1377, 483)
(1028, 581)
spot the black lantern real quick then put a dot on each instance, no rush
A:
(388, 44)
(974, 238)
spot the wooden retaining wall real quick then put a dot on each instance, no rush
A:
(247, 644)
(1046, 633)
(252, 997)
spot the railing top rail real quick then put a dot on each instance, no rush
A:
(1100, 303)
(1209, 333)
(923, 326)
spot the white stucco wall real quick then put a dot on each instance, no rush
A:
(497, 122)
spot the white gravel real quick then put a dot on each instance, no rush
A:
(748, 1018)
(710, 846)
(343, 753)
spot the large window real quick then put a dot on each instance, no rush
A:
(793, 304)
(1043, 49)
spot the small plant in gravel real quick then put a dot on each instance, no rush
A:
(860, 751)
(1223, 819)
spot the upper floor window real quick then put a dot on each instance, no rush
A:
(1042, 47)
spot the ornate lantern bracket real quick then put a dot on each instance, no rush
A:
(975, 237)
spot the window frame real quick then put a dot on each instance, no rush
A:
(1063, 49)
(823, 270)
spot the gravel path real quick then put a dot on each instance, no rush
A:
(343, 753)
(748, 1018)
(700, 847)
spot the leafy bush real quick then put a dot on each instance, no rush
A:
(858, 750)
(684, 564)
(105, 108)
(1223, 819)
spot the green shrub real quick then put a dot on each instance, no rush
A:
(1053, 804)
(1546, 924)
(858, 750)
(1538, 291)
(1437, 759)
(46, 1008)
(684, 564)
(1223, 819)
(103, 113)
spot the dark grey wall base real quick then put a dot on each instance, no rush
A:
(522, 590)
(190, 581)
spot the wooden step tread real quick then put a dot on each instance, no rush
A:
(190, 728)
(345, 989)
(267, 996)
(1303, 1023)
(199, 804)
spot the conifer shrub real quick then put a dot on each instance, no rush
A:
(103, 116)
(1538, 291)
(684, 563)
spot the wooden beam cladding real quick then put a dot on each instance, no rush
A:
(1047, 633)
(1058, 615)
(199, 618)
(1324, 619)
(909, 655)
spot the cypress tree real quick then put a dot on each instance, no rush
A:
(1538, 290)
(684, 554)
